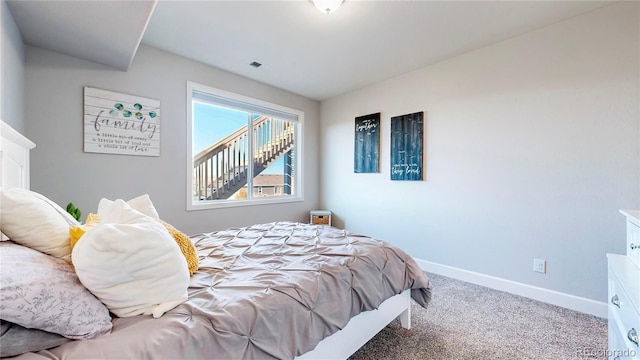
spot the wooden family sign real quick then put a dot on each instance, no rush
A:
(116, 123)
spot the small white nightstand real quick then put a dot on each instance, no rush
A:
(320, 217)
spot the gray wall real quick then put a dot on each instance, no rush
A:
(62, 171)
(531, 147)
(12, 68)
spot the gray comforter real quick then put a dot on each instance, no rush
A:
(265, 291)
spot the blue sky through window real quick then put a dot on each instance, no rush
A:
(213, 123)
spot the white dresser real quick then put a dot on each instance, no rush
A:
(624, 294)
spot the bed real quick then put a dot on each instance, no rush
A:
(279, 290)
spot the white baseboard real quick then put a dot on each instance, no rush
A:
(568, 301)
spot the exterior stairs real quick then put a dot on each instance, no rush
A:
(222, 169)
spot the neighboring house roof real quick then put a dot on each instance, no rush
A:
(269, 180)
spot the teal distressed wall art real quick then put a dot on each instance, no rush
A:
(367, 144)
(406, 147)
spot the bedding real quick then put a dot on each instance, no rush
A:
(42, 292)
(264, 291)
(15, 339)
(140, 203)
(131, 262)
(144, 205)
(185, 245)
(32, 220)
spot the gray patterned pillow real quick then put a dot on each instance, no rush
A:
(43, 292)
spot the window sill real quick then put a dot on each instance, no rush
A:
(221, 204)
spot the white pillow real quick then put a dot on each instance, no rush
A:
(32, 220)
(131, 263)
(141, 203)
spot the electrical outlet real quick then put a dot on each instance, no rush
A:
(540, 266)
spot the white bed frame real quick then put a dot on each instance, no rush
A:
(362, 327)
(14, 172)
(14, 157)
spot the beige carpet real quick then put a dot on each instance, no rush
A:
(466, 321)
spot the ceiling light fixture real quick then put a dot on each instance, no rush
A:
(327, 6)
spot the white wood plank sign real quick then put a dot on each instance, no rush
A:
(116, 123)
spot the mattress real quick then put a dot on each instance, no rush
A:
(264, 291)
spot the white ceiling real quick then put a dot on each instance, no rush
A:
(302, 50)
(106, 32)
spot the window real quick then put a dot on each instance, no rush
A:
(240, 150)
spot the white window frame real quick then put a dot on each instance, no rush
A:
(255, 103)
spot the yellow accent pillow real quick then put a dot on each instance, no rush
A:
(186, 246)
(77, 231)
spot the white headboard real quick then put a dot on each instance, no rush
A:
(14, 157)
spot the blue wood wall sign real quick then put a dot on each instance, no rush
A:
(367, 144)
(406, 146)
